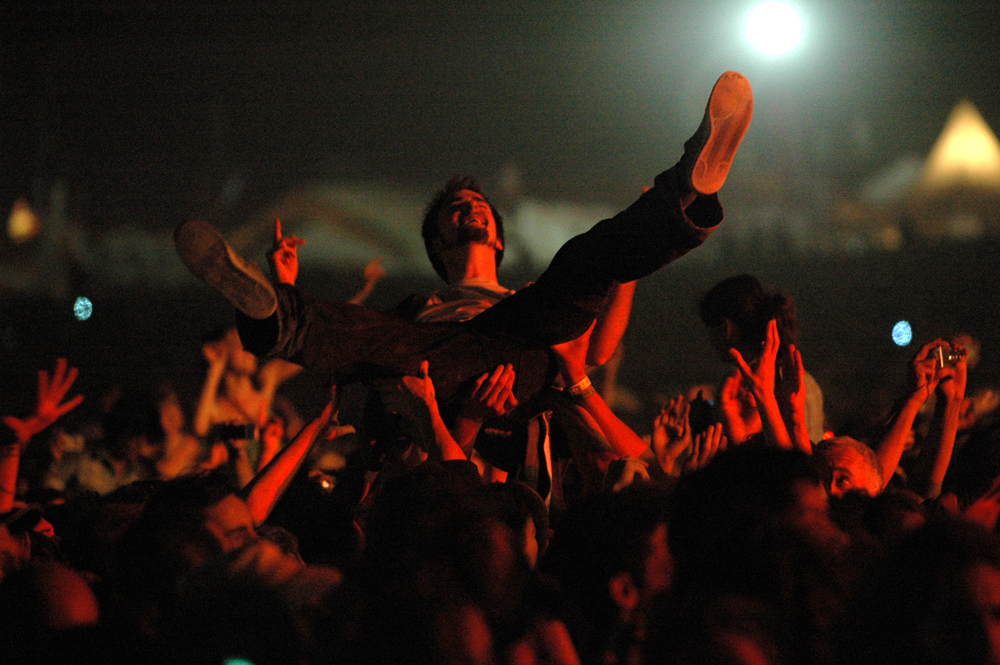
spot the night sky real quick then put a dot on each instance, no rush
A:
(154, 111)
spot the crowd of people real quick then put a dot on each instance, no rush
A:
(488, 506)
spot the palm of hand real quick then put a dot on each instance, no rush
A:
(50, 402)
(671, 432)
(421, 387)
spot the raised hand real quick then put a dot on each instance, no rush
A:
(705, 446)
(951, 380)
(794, 395)
(925, 375)
(797, 384)
(372, 274)
(284, 256)
(421, 386)
(373, 270)
(671, 433)
(493, 394)
(51, 407)
(624, 471)
(216, 352)
(731, 407)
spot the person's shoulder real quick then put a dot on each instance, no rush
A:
(410, 306)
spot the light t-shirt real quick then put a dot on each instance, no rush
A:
(461, 301)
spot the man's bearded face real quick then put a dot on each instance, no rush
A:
(468, 219)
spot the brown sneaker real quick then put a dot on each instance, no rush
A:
(210, 258)
(710, 152)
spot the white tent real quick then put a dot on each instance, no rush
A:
(966, 154)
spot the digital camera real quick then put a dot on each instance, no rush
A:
(948, 355)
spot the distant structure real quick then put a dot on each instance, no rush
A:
(952, 193)
(957, 194)
(966, 154)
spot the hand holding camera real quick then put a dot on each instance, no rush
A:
(948, 355)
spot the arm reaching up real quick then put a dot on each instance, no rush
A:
(373, 273)
(924, 380)
(267, 486)
(793, 395)
(672, 434)
(422, 387)
(50, 407)
(936, 454)
(704, 447)
(572, 357)
(738, 410)
(611, 325)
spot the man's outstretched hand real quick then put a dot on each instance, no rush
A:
(50, 403)
(284, 257)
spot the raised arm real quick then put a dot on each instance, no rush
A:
(935, 456)
(50, 407)
(423, 388)
(611, 325)
(270, 376)
(923, 381)
(671, 434)
(738, 410)
(793, 396)
(625, 443)
(217, 355)
(267, 486)
(373, 273)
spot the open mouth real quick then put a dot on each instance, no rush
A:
(473, 219)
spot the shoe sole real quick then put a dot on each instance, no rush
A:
(210, 258)
(730, 109)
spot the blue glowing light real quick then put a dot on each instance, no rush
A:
(236, 661)
(902, 334)
(83, 308)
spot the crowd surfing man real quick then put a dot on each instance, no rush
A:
(354, 343)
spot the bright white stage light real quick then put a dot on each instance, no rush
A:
(774, 28)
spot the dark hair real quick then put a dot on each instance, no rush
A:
(916, 605)
(188, 497)
(602, 535)
(430, 229)
(743, 300)
(134, 414)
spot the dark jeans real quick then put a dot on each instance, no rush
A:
(356, 343)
